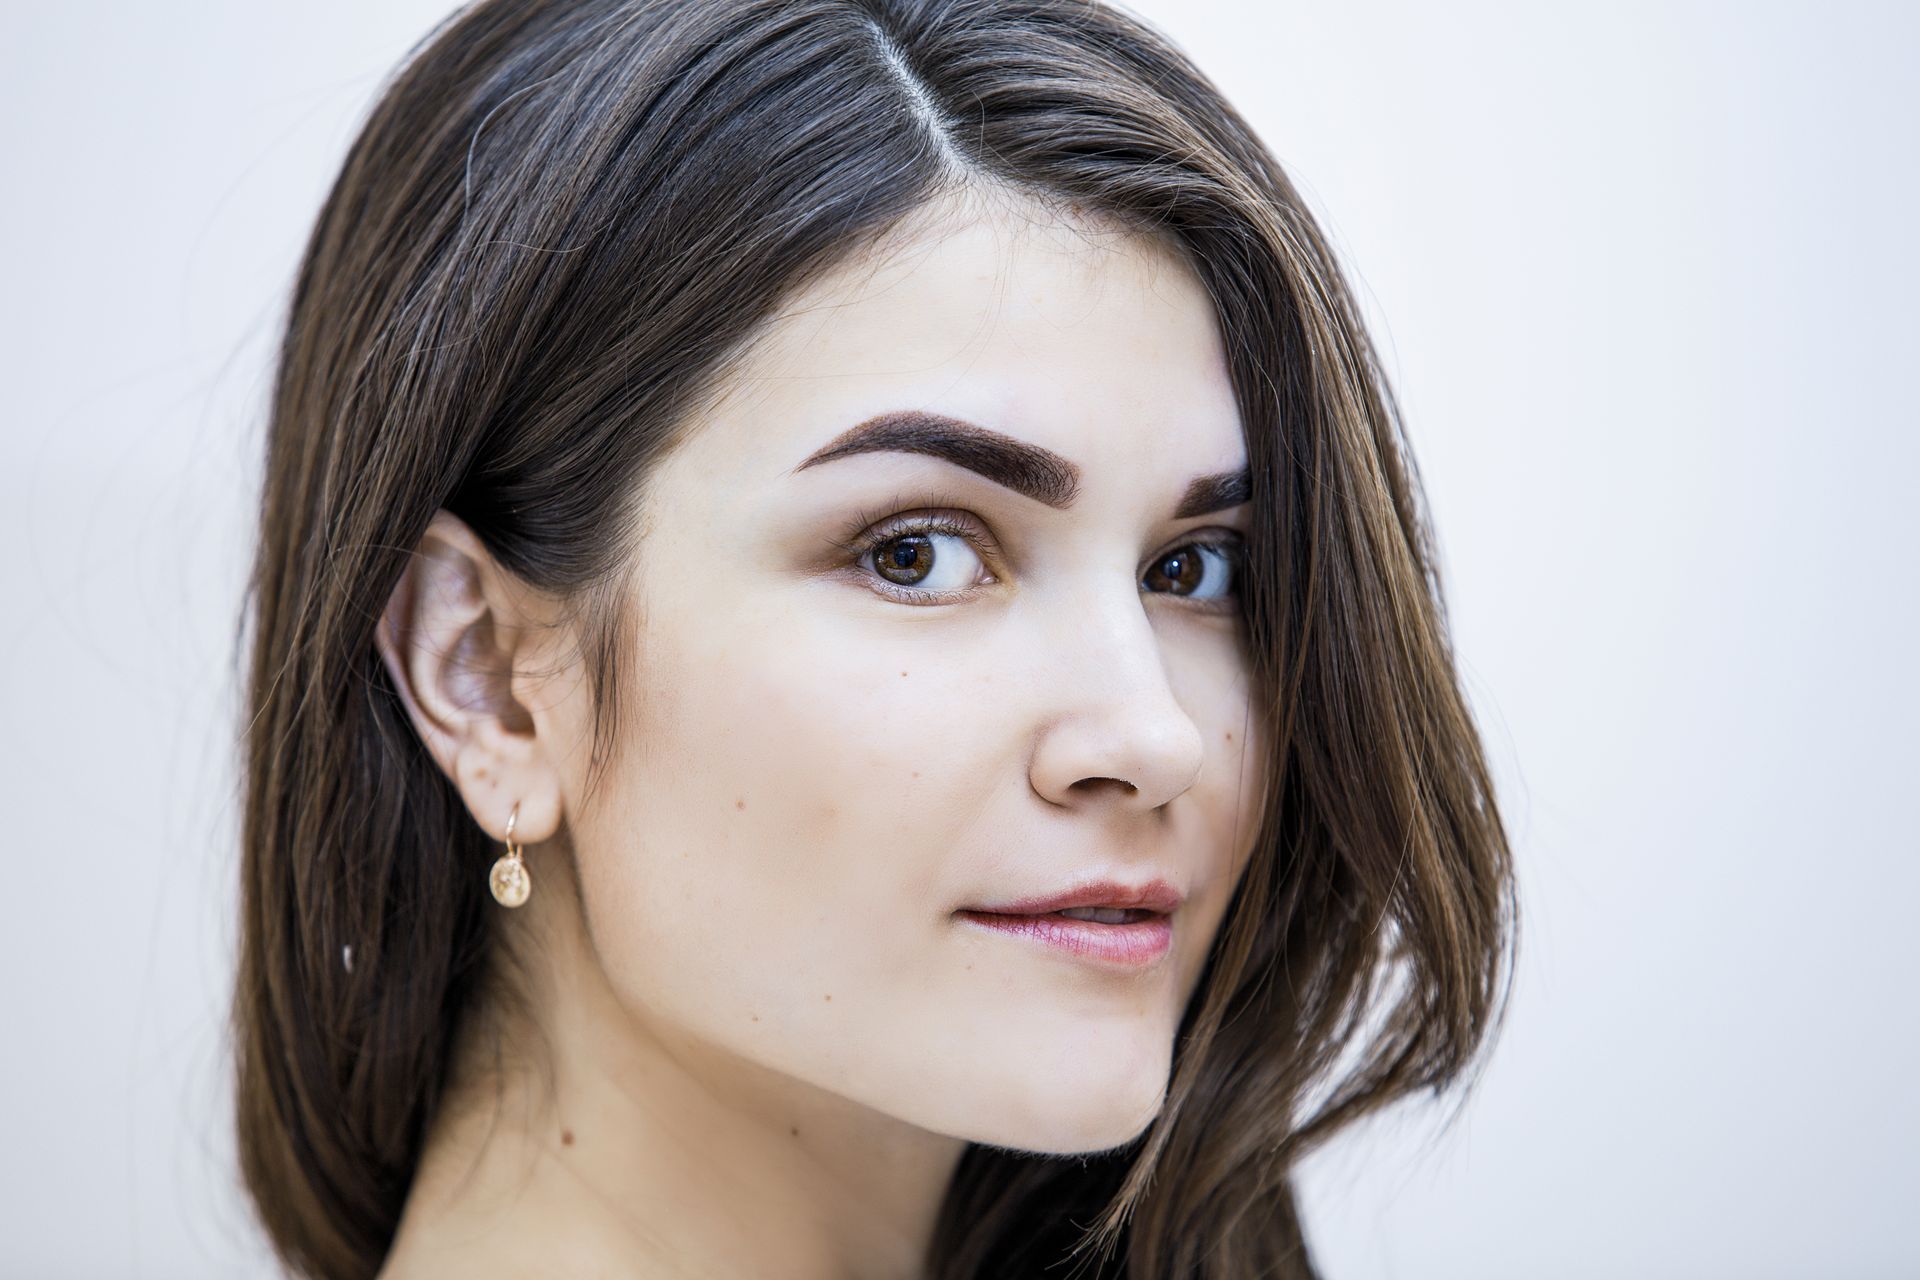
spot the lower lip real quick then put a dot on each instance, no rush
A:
(1131, 945)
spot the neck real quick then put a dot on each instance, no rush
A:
(627, 1150)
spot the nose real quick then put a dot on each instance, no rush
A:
(1115, 732)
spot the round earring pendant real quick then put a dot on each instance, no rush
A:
(510, 881)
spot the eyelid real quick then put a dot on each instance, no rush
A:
(856, 534)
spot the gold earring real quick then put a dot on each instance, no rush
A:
(510, 881)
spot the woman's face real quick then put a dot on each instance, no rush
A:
(829, 753)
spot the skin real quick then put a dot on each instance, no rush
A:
(770, 1038)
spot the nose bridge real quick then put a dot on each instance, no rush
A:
(1108, 704)
(1102, 618)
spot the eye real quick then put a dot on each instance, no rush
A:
(929, 559)
(1207, 570)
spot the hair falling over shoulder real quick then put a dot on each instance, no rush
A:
(698, 160)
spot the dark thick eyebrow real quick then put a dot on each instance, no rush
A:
(1040, 474)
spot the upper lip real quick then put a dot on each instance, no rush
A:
(1154, 895)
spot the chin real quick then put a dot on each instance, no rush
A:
(1082, 1116)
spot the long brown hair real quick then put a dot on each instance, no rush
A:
(561, 221)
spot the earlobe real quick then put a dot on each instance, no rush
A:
(449, 638)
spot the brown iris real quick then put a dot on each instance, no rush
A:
(911, 552)
(1185, 573)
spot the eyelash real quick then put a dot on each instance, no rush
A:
(862, 538)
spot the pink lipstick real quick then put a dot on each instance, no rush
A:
(1104, 921)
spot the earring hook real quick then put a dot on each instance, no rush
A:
(509, 879)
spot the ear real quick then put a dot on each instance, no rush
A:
(467, 647)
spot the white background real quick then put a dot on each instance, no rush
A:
(1645, 278)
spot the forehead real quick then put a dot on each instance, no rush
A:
(1088, 340)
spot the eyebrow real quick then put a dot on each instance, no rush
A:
(1028, 469)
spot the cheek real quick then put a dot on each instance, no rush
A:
(1230, 794)
(770, 855)
(1226, 802)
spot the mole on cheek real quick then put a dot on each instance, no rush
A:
(566, 1137)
